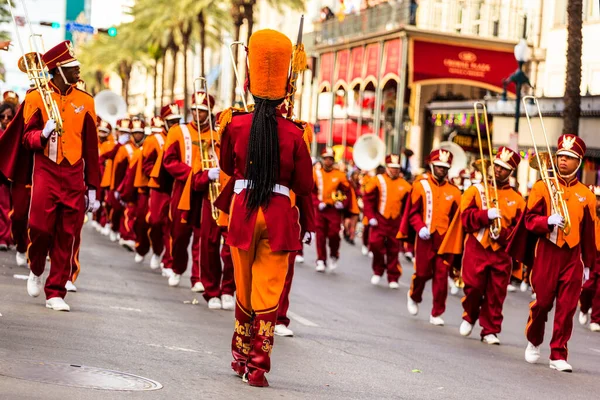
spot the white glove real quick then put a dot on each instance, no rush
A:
(49, 128)
(556, 219)
(494, 237)
(308, 237)
(586, 274)
(373, 222)
(424, 233)
(91, 204)
(213, 174)
(117, 195)
(322, 206)
(338, 205)
(123, 138)
(493, 213)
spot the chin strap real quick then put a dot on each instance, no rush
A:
(572, 174)
(60, 71)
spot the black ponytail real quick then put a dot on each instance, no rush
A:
(262, 163)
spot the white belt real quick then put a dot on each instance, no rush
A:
(242, 184)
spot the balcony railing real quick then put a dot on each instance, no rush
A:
(469, 17)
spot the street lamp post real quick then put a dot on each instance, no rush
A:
(519, 78)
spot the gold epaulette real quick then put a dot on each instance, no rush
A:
(308, 132)
(227, 116)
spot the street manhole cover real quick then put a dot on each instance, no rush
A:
(79, 376)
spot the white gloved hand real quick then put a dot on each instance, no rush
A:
(91, 204)
(308, 237)
(586, 274)
(424, 233)
(556, 219)
(493, 213)
(117, 195)
(123, 138)
(213, 174)
(493, 236)
(49, 128)
(373, 222)
(322, 206)
(338, 205)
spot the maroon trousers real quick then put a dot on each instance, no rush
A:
(100, 216)
(486, 274)
(127, 229)
(429, 265)
(5, 237)
(366, 232)
(556, 275)
(590, 296)
(19, 216)
(181, 233)
(55, 220)
(385, 248)
(284, 300)
(117, 210)
(328, 225)
(158, 218)
(141, 227)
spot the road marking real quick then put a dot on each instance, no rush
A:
(172, 348)
(21, 277)
(596, 350)
(302, 320)
(125, 309)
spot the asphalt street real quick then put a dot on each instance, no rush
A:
(353, 340)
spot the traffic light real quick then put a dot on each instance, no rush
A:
(112, 31)
(53, 25)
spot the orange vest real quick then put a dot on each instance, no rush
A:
(391, 194)
(106, 147)
(125, 152)
(578, 197)
(510, 202)
(597, 225)
(73, 106)
(438, 199)
(328, 183)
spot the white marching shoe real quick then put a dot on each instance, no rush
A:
(284, 331)
(375, 279)
(583, 318)
(364, 250)
(70, 287)
(524, 287)
(490, 339)
(465, 328)
(370, 254)
(436, 321)
(227, 302)
(34, 285)
(320, 266)
(57, 304)
(594, 327)
(453, 288)
(198, 287)
(106, 230)
(299, 259)
(128, 244)
(113, 236)
(394, 285)
(561, 365)
(174, 280)
(155, 261)
(214, 304)
(411, 305)
(532, 353)
(511, 288)
(409, 256)
(21, 259)
(333, 264)
(166, 272)
(138, 258)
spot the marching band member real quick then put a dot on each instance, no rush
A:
(384, 198)
(117, 210)
(328, 183)
(486, 267)
(589, 301)
(559, 261)
(104, 136)
(7, 113)
(266, 156)
(65, 167)
(180, 152)
(433, 203)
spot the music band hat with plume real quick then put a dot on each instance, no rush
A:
(269, 57)
(441, 158)
(202, 101)
(327, 153)
(170, 111)
(392, 161)
(138, 126)
(104, 128)
(61, 56)
(571, 145)
(124, 125)
(595, 190)
(157, 125)
(507, 158)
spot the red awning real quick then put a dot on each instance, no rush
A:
(392, 59)
(342, 68)
(357, 57)
(326, 71)
(372, 64)
(435, 62)
(351, 127)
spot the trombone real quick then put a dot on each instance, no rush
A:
(493, 196)
(547, 168)
(237, 74)
(31, 63)
(208, 161)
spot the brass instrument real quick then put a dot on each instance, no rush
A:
(493, 195)
(458, 279)
(338, 196)
(236, 73)
(31, 63)
(208, 161)
(547, 169)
